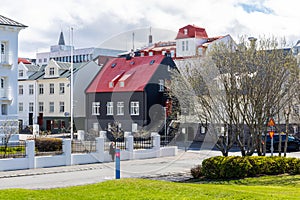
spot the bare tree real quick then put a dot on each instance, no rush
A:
(237, 86)
(7, 129)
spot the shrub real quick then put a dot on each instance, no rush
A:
(239, 167)
(48, 144)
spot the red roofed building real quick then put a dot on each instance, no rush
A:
(129, 91)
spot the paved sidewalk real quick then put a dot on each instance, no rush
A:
(165, 168)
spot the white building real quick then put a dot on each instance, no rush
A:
(62, 53)
(9, 30)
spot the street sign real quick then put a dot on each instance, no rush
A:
(271, 122)
(271, 133)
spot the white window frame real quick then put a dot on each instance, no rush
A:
(61, 88)
(51, 107)
(186, 45)
(21, 89)
(30, 89)
(41, 88)
(21, 107)
(51, 71)
(31, 107)
(120, 108)
(110, 108)
(134, 108)
(61, 106)
(21, 73)
(51, 88)
(96, 108)
(41, 107)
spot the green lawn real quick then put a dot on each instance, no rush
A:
(268, 187)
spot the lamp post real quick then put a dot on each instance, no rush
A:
(72, 87)
(165, 111)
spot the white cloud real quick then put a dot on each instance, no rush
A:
(94, 21)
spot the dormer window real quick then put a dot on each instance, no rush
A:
(51, 71)
(21, 73)
(185, 31)
(122, 84)
(111, 84)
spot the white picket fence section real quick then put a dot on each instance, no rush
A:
(67, 158)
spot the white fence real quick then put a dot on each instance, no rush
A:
(67, 158)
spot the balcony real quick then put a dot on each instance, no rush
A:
(5, 95)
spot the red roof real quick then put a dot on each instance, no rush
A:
(135, 74)
(24, 61)
(192, 32)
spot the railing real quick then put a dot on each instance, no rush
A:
(166, 140)
(142, 143)
(83, 146)
(13, 150)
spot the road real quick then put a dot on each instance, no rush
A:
(65, 176)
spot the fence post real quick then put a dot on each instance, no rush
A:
(130, 146)
(102, 134)
(100, 142)
(156, 143)
(30, 154)
(67, 151)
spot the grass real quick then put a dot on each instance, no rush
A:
(267, 187)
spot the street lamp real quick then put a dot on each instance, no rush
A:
(72, 87)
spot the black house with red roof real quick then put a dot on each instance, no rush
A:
(130, 92)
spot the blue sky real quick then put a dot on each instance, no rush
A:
(95, 21)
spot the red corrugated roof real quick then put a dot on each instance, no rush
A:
(138, 72)
(193, 32)
(24, 60)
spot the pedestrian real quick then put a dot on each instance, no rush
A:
(112, 150)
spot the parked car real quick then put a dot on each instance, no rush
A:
(293, 143)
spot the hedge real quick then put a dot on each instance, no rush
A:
(48, 144)
(230, 167)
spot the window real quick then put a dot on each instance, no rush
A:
(51, 88)
(96, 108)
(183, 48)
(21, 107)
(134, 108)
(4, 52)
(45, 60)
(51, 107)
(120, 108)
(110, 108)
(2, 83)
(186, 45)
(61, 88)
(20, 89)
(151, 53)
(51, 71)
(31, 89)
(122, 84)
(172, 53)
(41, 107)
(31, 107)
(21, 73)
(40, 60)
(61, 106)
(4, 109)
(161, 84)
(41, 89)
(185, 31)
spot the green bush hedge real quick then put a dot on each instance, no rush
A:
(239, 167)
(48, 144)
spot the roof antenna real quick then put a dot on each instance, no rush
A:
(133, 41)
(150, 38)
